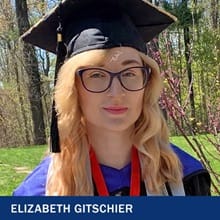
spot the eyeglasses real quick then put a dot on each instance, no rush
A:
(98, 80)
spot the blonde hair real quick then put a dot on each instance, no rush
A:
(69, 172)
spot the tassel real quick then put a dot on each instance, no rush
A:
(61, 53)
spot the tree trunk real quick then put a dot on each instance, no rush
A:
(216, 27)
(31, 68)
(180, 71)
(215, 13)
(202, 82)
(189, 73)
(27, 138)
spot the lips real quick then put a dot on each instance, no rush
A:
(116, 109)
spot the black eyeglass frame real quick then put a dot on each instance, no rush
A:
(146, 69)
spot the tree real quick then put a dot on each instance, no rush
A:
(204, 62)
(31, 69)
(215, 13)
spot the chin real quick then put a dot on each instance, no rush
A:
(118, 127)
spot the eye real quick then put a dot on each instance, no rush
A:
(96, 74)
(129, 73)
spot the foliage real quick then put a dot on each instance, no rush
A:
(200, 18)
(204, 63)
(183, 13)
(16, 125)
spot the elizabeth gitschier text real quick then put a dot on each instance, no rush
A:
(78, 208)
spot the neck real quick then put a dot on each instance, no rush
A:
(112, 148)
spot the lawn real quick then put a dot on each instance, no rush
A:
(16, 163)
(211, 153)
(208, 149)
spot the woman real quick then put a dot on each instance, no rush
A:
(113, 138)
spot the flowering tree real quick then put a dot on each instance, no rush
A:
(192, 104)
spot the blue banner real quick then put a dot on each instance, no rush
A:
(109, 208)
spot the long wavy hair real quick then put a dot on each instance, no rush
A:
(69, 172)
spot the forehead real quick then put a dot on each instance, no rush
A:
(105, 57)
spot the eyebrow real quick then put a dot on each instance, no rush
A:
(126, 62)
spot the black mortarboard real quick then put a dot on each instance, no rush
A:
(83, 25)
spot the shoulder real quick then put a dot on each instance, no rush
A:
(34, 184)
(189, 163)
(196, 178)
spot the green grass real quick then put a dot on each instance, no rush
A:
(15, 164)
(208, 149)
(211, 153)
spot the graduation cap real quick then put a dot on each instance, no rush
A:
(75, 26)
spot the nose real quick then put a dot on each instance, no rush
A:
(116, 88)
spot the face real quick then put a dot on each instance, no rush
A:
(115, 109)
